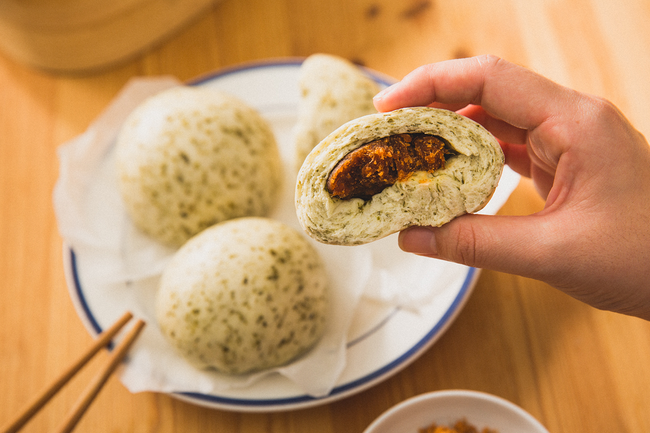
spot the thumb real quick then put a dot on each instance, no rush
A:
(512, 244)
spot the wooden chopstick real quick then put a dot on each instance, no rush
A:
(99, 380)
(93, 389)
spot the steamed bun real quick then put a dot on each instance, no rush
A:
(244, 295)
(333, 91)
(190, 157)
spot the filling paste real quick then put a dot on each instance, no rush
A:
(371, 168)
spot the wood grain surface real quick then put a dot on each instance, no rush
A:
(572, 367)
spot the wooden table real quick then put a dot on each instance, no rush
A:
(572, 367)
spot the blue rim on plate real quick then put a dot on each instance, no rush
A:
(370, 379)
(301, 401)
(271, 63)
(339, 391)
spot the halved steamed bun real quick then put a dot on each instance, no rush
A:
(190, 157)
(387, 196)
(244, 295)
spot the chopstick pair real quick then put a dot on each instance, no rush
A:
(93, 388)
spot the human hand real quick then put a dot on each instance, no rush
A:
(592, 239)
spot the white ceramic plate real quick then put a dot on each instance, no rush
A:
(446, 407)
(382, 339)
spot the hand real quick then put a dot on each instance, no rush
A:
(592, 239)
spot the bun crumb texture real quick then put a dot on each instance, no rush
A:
(190, 157)
(244, 295)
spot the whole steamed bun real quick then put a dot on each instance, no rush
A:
(244, 295)
(190, 157)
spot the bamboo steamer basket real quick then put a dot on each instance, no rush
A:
(84, 35)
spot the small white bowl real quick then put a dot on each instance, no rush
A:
(446, 407)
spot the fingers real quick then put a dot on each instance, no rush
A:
(512, 244)
(517, 158)
(508, 92)
(500, 129)
(512, 140)
(530, 115)
(444, 83)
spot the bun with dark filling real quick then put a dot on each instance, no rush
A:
(381, 173)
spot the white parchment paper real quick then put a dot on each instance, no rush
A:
(120, 266)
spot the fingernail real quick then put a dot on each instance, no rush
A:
(379, 96)
(418, 240)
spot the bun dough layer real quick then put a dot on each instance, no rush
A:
(464, 185)
(244, 295)
(190, 157)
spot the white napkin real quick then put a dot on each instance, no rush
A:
(118, 267)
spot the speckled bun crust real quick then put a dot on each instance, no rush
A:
(244, 295)
(426, 199)
(333, 91)
(190, 157)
